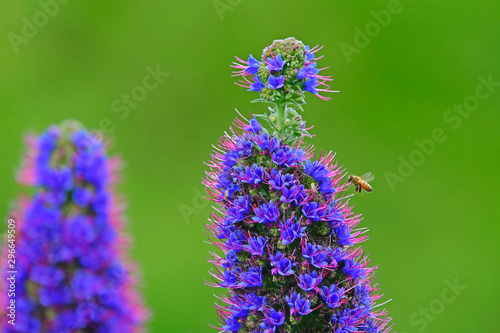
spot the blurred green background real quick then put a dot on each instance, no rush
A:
(438, 223)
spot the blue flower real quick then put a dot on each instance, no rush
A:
(83, 285)
(279, 157)
(82, 196)
(238, 311)
(307, 71)
(230, 160)
(339, 255)
(232, 324)
(323, 258)
(270, 144)
(253, 65)
(256, 246)
(299, 194)
(279, 181)
(239, 210)
(292, 155)
(244, 147)
(309, 281)
(345, 321)
(287, 195)
(319, 257)
(302, 73)
(276, 257)
(309, 55)
(275, 64)
(326, 186)
(353, 269)
(312, 210)
(343, 235)
(275, 318)
(283, 265)
(275, 82)
(253, 175)
(332, 295)
(232, 258)
(308, 250)
(254, 302)
(290, 231)
(257, 85)
(254, 126)
(235, 240)
(316, 170)
(224, 180)
(251, 278)
(298, 304)
(310, 85)
(364, 300)
(266, 213)
(229, 278)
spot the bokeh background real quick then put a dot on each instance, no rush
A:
(440, 223)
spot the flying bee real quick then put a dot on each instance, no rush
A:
(361, 183)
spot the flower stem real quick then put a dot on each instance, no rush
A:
(281, 110)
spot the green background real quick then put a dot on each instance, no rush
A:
(440, 224)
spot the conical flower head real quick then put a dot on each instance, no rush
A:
(287, 69)
(71, 274)
(286, 233)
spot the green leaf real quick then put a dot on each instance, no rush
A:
(262, 100)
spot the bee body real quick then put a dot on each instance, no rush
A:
(361, 183)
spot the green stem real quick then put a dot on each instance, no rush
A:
(280, 106)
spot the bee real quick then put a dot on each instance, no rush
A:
(361, 183)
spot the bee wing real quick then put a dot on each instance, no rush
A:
(368, 177)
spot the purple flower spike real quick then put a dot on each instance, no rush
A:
(72, 271)
(287, 238)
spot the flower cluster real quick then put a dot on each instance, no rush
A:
(72, 274)
(287, 69)
(288, 236)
